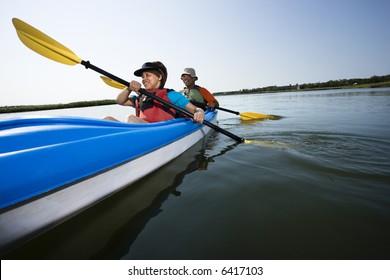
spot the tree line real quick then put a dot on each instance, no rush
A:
(27, 108)
(372, 82)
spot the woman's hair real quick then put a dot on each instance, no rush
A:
(163, 73)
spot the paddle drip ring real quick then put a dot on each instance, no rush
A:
(87, 64)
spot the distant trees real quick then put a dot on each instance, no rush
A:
(347, 82)
(26, 108)
(374, 81)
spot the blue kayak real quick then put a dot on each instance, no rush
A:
(53, 168)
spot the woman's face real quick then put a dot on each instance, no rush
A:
(150, 80)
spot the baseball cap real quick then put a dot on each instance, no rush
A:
(148, 66)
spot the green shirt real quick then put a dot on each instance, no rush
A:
(195, 95)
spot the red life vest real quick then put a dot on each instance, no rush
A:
(152, 110)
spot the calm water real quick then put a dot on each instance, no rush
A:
(314, 185)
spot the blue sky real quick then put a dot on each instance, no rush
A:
(233, 44)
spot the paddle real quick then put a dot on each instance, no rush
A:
(50, 48)
(246, 116)
(112, 83)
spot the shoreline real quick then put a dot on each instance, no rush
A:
(341, 84)
(30, 108)
(79, 104)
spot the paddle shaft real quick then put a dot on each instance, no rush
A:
(228, 110)
(88, 65)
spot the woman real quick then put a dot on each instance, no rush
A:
(154, 76)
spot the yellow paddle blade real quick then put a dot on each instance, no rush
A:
(43, 44)
(112, 83)
(247, 116)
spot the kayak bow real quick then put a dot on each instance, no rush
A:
(69, 164)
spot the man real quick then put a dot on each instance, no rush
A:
(199, 96)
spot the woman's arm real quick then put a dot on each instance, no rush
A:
(181, 101)
(198, 112)
(124, 98)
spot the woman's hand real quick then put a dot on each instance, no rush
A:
(134, 86)
(199, 115)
